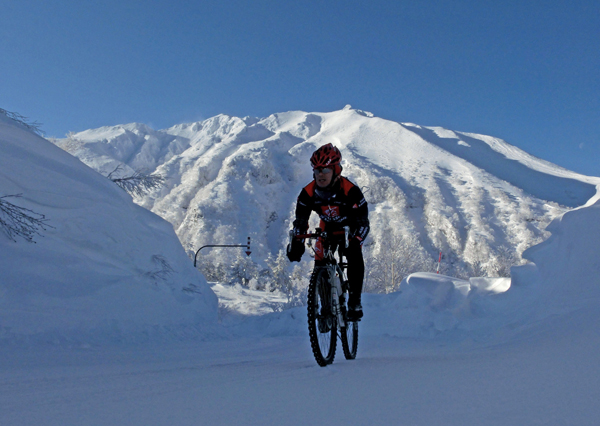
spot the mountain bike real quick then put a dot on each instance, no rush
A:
(327, 299)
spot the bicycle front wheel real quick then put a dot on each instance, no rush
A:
(349, 335)
(322, 323)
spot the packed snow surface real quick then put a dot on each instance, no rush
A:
(95, 329)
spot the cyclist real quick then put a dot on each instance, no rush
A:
(339, 203)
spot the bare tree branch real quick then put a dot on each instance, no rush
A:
(24, 121)
(163, 270)
(139, 183)
(20, 222)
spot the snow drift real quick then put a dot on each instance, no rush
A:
(103, 264)
(561, 278)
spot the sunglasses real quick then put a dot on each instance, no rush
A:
(323, 170)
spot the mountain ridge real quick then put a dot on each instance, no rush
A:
(470, 196)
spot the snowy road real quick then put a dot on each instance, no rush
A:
(542, 377)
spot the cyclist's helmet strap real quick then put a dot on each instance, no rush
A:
(327, 156)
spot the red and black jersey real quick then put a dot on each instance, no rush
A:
(342, 205)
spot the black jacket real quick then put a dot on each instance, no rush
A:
(342, 205)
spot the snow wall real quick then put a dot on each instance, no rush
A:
(103, 266)
(562, 276)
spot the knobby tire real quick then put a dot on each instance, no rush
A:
(349, 336)
(323, 344)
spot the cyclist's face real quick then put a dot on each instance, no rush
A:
(323, 176)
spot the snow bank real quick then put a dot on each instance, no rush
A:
(566, 267)
(429, 305)
(563, 277)
(103, 268)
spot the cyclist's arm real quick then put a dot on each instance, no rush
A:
(359, 223)
(303, 209)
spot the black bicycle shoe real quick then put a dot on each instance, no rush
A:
(355, 313)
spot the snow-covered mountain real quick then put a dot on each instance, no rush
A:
(103, 265)
(477, 199)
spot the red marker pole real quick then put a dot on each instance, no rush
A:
(439, 261)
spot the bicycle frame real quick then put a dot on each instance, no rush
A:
(337, 292)
(335, 270)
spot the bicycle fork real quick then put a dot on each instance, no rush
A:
(337, 297)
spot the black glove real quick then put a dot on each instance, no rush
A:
(300, 227)
(360, 230)
(295, 250)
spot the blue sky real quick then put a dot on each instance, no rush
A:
(524, 71)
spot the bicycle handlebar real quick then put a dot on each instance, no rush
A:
(315, 235)
(319, 233)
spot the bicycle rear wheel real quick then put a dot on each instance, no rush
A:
(349, 335)
(322, 324)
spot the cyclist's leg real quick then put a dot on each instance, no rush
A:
(356, 273)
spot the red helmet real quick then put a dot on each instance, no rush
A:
(326, 156)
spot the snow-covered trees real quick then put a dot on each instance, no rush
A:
(391, 258)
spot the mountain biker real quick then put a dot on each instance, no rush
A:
(339, 203)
